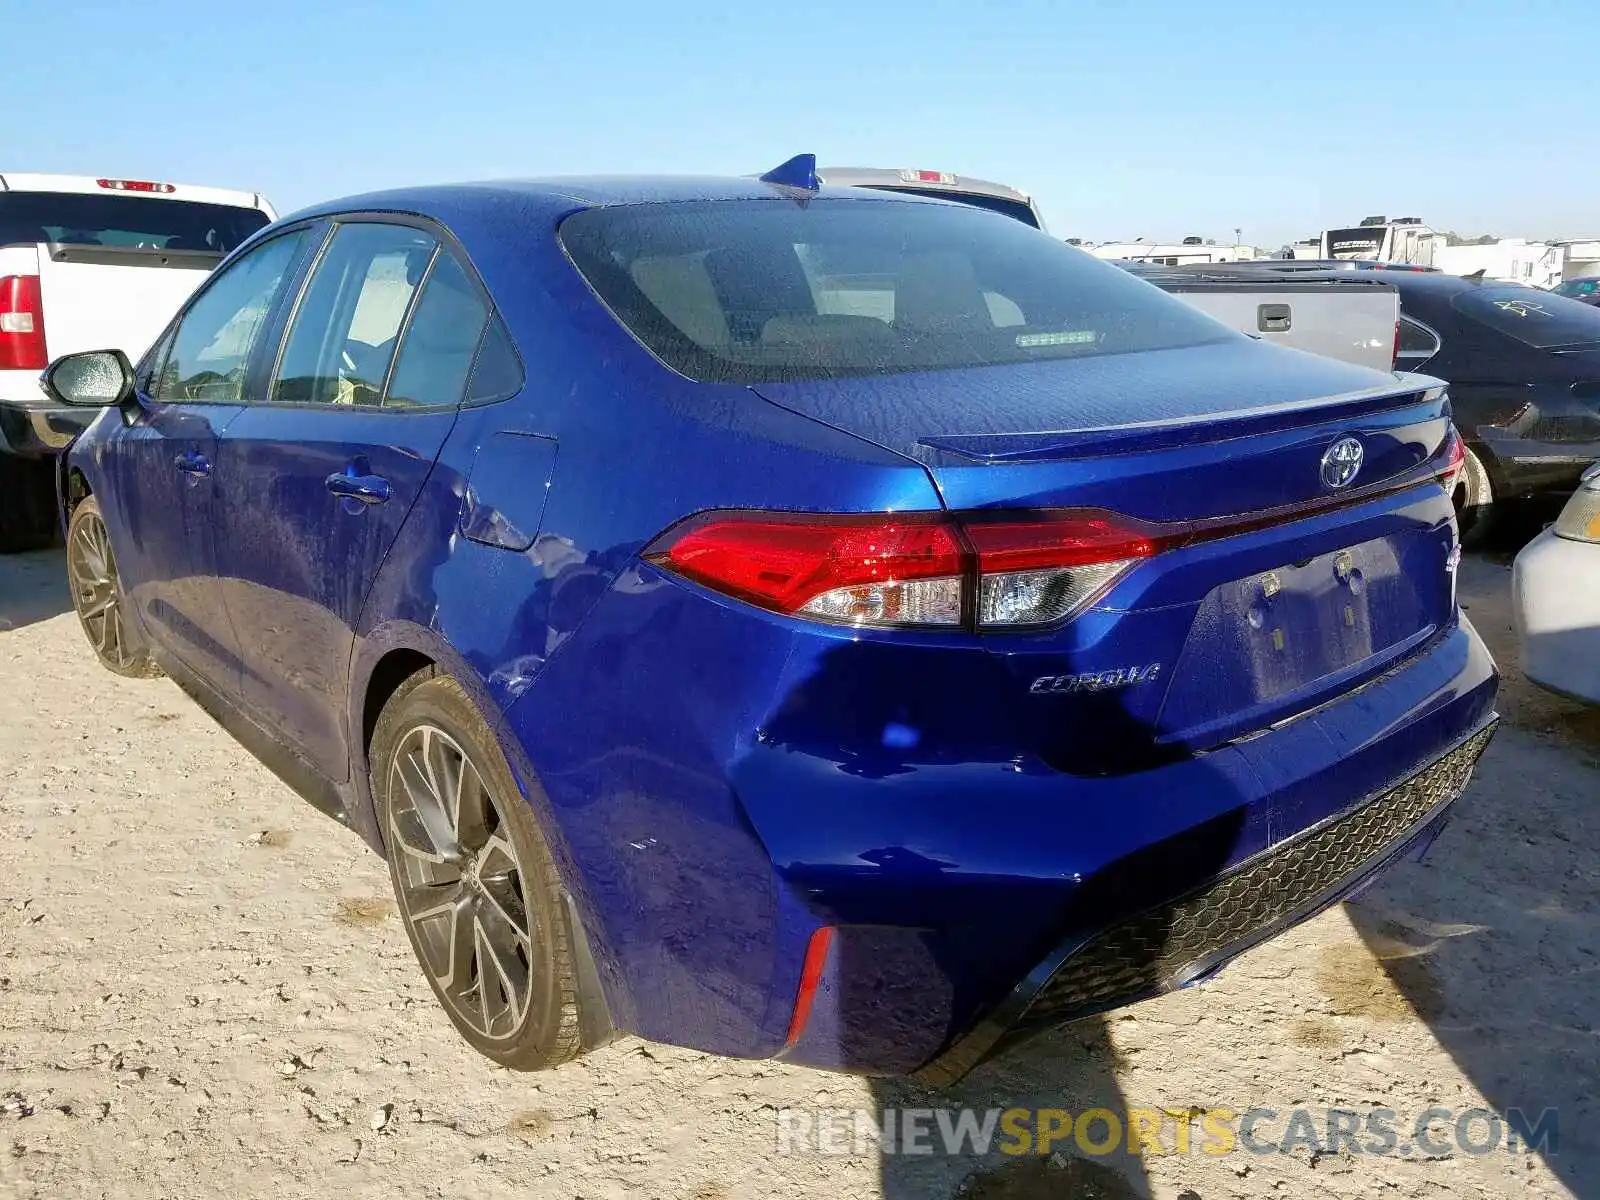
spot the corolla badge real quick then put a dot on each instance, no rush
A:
(1095, 681)
(1341, 462)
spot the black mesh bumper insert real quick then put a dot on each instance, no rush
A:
(1173, 942)
(1155, 947)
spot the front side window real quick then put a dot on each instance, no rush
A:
(210, 349)
(439, 344)
(1539, 319)
(767, 290)
(343, 334)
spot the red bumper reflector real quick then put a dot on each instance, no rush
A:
(810, 977)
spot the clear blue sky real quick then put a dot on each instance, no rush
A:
(1123, 119)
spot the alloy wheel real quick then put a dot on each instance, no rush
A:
(461, 884)
(96, 591)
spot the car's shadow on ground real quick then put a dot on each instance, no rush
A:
(1073, 1069)
(33, 587)
(1494, 940)
(1505, 971)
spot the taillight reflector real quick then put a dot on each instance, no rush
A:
(816, 961)
(22, 345)
(136, 185)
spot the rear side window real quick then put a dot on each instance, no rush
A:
(440, 342)
(1539, 319)
(755, 291)
(498, 371)
(342, 338)
(210, 348)
(1418, 343)
(124, 222)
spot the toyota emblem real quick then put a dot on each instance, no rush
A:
(1341, 463)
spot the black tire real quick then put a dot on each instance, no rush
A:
(97, 595)
(1475, 504)
(28, 519)
(483, 865)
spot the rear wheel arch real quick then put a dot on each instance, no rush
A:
(389, 674)
(395, 677)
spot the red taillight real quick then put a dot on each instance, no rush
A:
(1068, 539)
(21, 324)
(1041, 570)
(1457, 461)
(927, 177)
(135, 185)
(1394, 359)
(913, 569)
(877, 570)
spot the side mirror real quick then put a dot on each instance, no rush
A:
(92, 379)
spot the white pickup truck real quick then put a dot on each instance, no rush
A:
(86, 264)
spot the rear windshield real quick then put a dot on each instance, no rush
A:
(767, 290)
(1578, 287)
(1540, 319)
(124, 222)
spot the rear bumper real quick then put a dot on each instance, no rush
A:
(1555, 591)
(32, 426)
(1190, 938)
(1320, 807)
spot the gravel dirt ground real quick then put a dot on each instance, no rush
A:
(204, 991)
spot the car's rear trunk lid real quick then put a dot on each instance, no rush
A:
(1290, 574)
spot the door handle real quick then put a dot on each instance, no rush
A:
(192, 462)
(368, 489)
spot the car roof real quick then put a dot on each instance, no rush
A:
(90, 185)
(557, 195)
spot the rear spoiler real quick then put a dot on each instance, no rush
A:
(128, 256)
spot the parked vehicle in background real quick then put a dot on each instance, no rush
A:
(1352, 317)
(1585, 290)
(940, 185)
(1555, 589)
(1378, 239)
(87, 263)
(1524, 372)
(1100, 641)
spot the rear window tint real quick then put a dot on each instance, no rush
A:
(761, 291)
(124, 222)
(1540, 319)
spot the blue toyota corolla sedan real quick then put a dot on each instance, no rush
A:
(789, 622)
